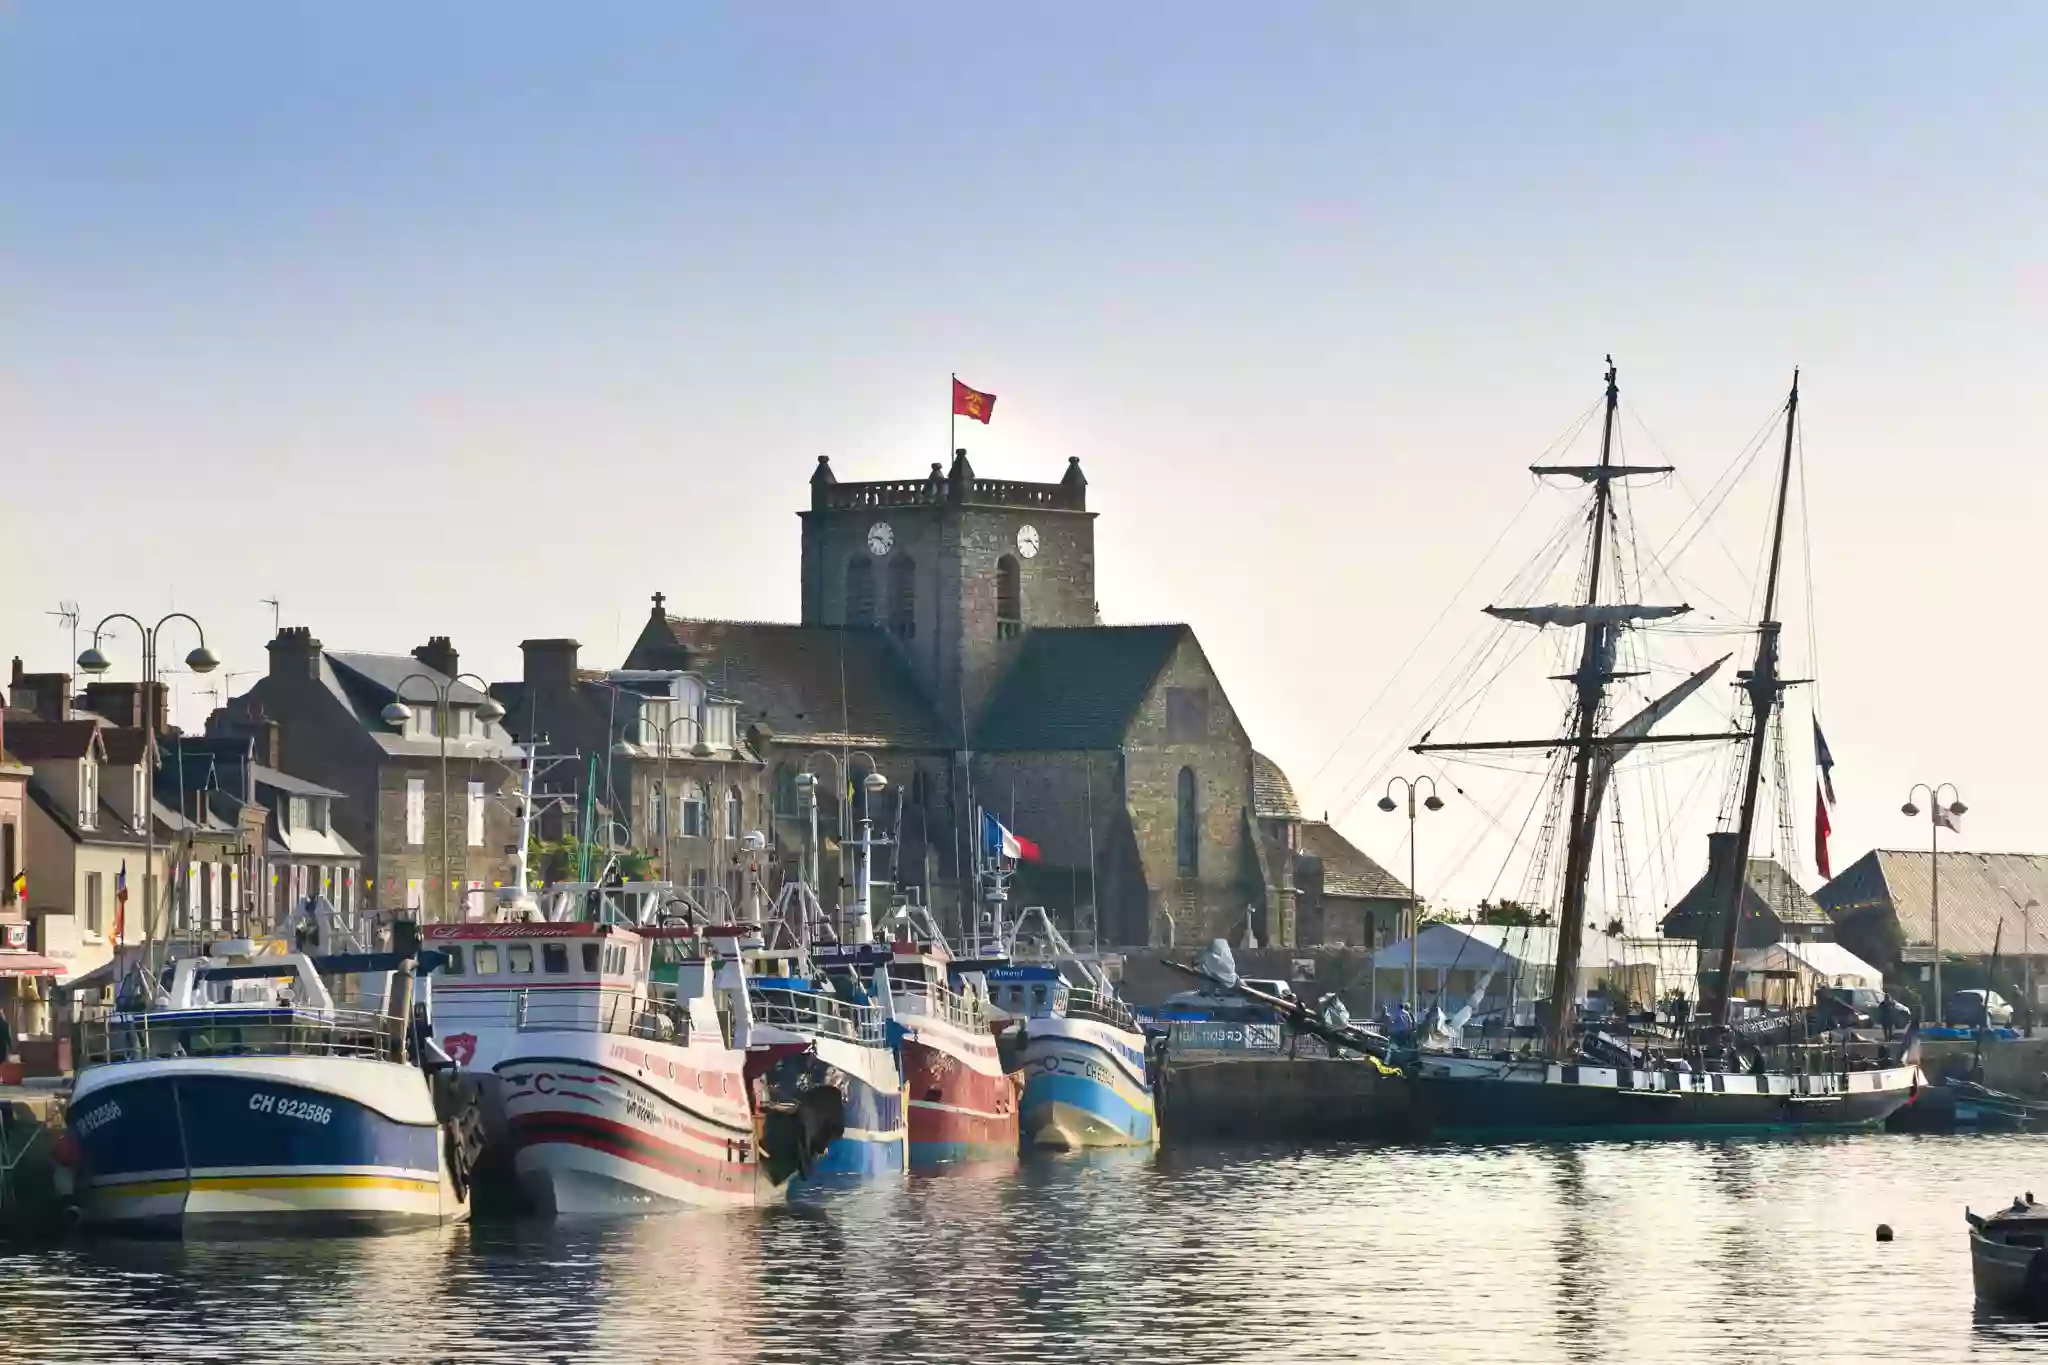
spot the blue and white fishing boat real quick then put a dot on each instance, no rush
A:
(234, 1096)
(1082, 1056)
(838, 1011)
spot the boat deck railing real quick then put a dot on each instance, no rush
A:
(104, 1034)
(623, 1012)
(1083, 1003)
(943, 1002)
(815, 1013)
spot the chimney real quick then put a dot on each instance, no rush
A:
(48, 695)
(439, 655)
(1721, 866)
(295, 653)
(550, 664)
(116, 701)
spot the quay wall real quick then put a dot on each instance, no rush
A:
(30, 1122)
(1216, 1096)
(2015, 1065)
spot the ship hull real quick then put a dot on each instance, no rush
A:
(1085, 1085)
(260, 1146)
(875, 1143)
(605, 1125)
(963, 1107)
(1472, 1096)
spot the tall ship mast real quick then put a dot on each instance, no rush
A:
(1617, 1076)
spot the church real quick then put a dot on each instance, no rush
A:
(950, 640)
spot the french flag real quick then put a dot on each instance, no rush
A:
(998, 843)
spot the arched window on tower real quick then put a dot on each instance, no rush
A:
(1009, 599)
(903, 597)
(1188, 828)
(860, 591)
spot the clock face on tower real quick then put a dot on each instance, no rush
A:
(880, 538)
(1027, 541)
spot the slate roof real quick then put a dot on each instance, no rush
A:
(285, 782)
(46, 740)
(1272, 793)
(1768, 887)
(817, 684)
(366, 683)
(1075, 687)
(1346, 869)
(1977, 891)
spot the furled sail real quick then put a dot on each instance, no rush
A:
(1636, 727)
(1589, 472)
(1589, 613)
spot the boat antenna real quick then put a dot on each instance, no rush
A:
(1764, 687)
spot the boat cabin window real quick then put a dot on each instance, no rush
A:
(487, 959)
(456, 961)
(519, 959)
(554, 958)
(1038, 996)
(590, 956)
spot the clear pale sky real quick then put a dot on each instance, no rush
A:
(490, 320)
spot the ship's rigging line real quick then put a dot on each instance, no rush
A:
(1562, 441)
(1451, 677)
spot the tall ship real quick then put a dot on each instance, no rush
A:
(1716, 1068)
(230, 1094)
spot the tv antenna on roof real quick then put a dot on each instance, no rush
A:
(276, 613)
(67, 616)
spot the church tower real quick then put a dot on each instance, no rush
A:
(954, 567)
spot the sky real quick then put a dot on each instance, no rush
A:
(491, 320)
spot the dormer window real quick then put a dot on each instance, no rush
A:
(307, 814)
(89, 793)
(421, 726)
(655, 725)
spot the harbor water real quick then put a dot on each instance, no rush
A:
(1757, 1250)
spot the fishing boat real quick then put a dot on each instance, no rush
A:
(1083, 1059)
(963, 1104)
(2009, 1257)
(620, 1092)
(231, 1095)
(1582, 1076)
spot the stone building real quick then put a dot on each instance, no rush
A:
(328, 706)
(1775, 907)
(676, 775)
(950, 639)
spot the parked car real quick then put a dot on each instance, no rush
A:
(1269, 986)
(1855, 1007)
(1976, 1009)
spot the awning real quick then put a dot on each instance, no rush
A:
(29, 964)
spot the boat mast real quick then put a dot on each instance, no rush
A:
(1596, 659)
(1764, 688)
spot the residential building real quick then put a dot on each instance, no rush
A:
(1775, 907)
(676, 775)
(426, 802)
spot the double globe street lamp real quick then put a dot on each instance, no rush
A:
(200, 660)
(1938, 815)
(1432, 803)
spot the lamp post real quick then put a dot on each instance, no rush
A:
(874, 784)
(662, 742)
(2026, 909)
(1432, 802)
(200, 660)
(399, 714)
(1937, 816)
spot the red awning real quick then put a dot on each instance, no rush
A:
(28, 964)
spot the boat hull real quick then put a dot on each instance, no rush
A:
(255, 1146)
(1474, 1096)
(963, 1107)
(1085, 1085)
(876, 1142)
(599, 1124)
(2007, 1277)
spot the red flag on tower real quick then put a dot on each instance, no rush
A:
(1822, 828)
(973, 403)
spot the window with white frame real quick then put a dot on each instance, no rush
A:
(695, 817)
(89, 794)
(654, 723)
(657, 809)
(416, 811)
(476, 815)
(421, 726)
(94, 903)
(735, 812)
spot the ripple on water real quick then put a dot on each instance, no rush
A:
(1664, 1252)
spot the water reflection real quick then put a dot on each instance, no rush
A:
(1670, 1252)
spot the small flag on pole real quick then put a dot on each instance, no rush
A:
(20, 887)
(120, 901)
(1948, 817)
(973, 403)
(1825, 761)
(1822, 828)
(998, 843)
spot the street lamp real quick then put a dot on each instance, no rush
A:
(200, 660)
(661, 744)
(874, 784)
(1937, 816)
(399, 715)
(1432, 802)
(2026, 909)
